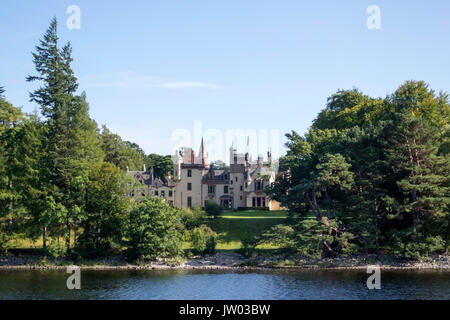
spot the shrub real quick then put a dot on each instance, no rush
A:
(248, 247)
(57, 249)
(153, 230)
(192, 218)
(204, 240)
(4, 242)
(213, 209)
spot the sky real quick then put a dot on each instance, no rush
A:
(166, 73)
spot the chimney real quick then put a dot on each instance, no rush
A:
(192, 156)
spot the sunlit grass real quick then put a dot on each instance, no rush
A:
(233, 227)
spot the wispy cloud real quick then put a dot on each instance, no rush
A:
(132, 80)
(188, 84)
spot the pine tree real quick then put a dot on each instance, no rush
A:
(72, 144)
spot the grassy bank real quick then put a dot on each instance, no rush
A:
(233, 227)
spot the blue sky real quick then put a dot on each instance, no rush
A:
(151, 67)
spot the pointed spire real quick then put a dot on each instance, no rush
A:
(201, 153)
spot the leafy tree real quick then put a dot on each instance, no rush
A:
(380, 170)
(162, 165)
(122, 154)
(106, 210)
(153, 230)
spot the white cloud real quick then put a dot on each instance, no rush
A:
(132, 80)
(187, 85)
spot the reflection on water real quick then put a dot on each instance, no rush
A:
(182, 284)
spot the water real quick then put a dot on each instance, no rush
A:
(204, 285)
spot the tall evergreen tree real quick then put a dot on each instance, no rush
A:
(72, 145)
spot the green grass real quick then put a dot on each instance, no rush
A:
(232, 227)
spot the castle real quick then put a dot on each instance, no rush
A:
(195, 181)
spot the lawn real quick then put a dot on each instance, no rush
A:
(232, 227)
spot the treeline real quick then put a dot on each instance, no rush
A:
(370, 176)
(62, 179)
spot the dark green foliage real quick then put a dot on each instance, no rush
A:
(379, 170)
(153, 230)
(106, 210)
(122, 154)
(203, 240)
(193, 218)
(162, 165)
(213, 209)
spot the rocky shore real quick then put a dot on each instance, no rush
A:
(233, 261)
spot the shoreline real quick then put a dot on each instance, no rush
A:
(221, 268)
(232, 261)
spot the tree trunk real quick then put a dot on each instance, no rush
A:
(44, 239)
(328, 200)
(68, 238)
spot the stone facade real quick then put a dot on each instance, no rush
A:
(195, 181)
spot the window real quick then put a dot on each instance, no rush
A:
(241, 188)
(246, 185)
(163, 193)
(189, 202)
(231, 181)
(254, 202)
(212, 189)
(263, 202)
(189, 173)
(258, 202)
(156, 193)
(258, 185)
(189, 186)
(170, 193)
(225, 189)
(236, 179)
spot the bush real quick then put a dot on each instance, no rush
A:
(153, 230)
(192, 218)
(204, 240)
(213, 209)
(248, 247)
(4, 242)
(280, 235)
(57, 249)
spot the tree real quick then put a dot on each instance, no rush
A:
(71, 145)
(380, 170)
(122, 154)
(106, 209)
(422, 175)
(153, 230)
(162, 165)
